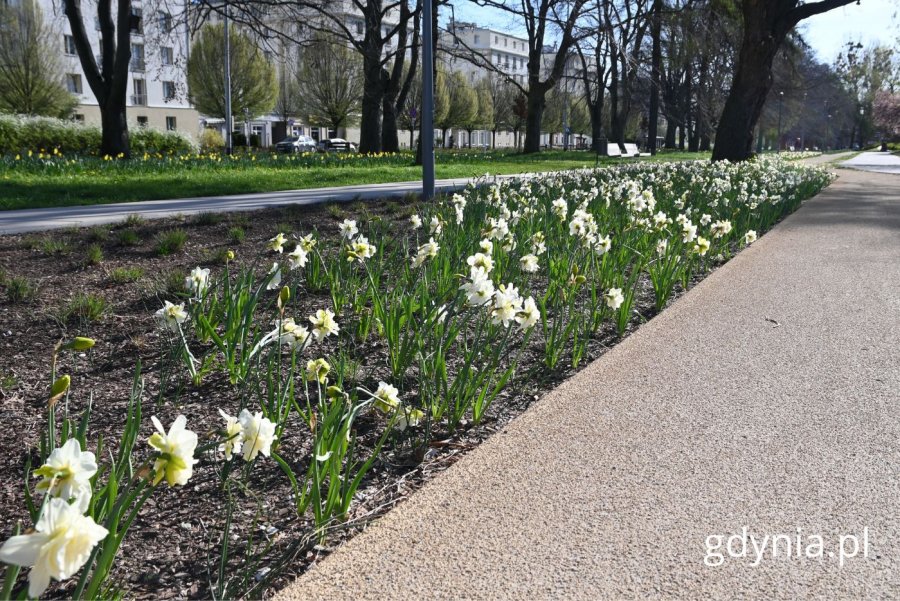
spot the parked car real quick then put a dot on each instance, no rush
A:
(296, 144)
(336, 145)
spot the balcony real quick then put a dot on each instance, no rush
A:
(139, 100)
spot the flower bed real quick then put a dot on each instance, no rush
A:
(298, 383)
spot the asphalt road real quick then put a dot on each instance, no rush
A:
(767, 397)
(33, 220)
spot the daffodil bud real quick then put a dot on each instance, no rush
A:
(334, 392)
(229, 256)
(59, 388)
(80, 343)
(283, 297)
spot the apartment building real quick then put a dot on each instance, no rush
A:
(157, 81)
(282, 45)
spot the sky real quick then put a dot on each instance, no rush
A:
(871, 21)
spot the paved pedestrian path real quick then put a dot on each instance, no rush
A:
(767, 397)
(878, 162)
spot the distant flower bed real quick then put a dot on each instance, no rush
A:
(443, 311)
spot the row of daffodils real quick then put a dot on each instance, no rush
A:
(447, 304)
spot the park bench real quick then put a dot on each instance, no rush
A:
(613, 150)
(631, 150)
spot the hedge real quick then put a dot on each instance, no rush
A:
(19, 133)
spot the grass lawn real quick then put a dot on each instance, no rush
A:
(45, 180)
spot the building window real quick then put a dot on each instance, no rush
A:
(477, 39)
(137, 57)
(78, 117)
(139, 98)
(496, 40)
(168, 55)
(359, 28)
(165, 21)
(142, 121)
(73, 83)
(505, 42)
(69, 45)
(170, 124)
(137, 21)
(169, 90)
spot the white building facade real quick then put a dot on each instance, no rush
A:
(157, 78)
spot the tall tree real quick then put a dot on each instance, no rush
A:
(254, 88)
(461, 103)
(766, 24)
(543, 19)
(31, 77)
(655, 64)
(331, 82)
(108, 80)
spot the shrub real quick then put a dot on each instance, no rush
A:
(170, 241)
(19, 289)
(237, 234)
(55, 246)
(149, 140)
(208, 218)
(84, 308)
(20, 133)
(133, 220)
(125, 275)
(211, 141)
(98, 233)
(93, 255)
(129, 238)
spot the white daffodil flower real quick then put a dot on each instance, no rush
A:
(435, 226)
(386, 399)
(507, 304)
(528, 315)
(61, 543)
(480, 263)
(257, 434)
(171, 316)
(176, 452)
(415, 221)
(480, 290)
(348, 228)
(275, 282)
(197, 281)
(317, 371)
(529, 263)
(614, 298)
(701, 247)
(233, 430)
(67, 474)
(298, 257)
(277, 243)
(429, 250)
(721, 228)
(750, 237)
(323, 323)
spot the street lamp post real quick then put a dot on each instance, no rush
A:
(229, 144)
(427, 135)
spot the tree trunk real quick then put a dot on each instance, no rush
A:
(390, 136)
(114, 140)
(655, 61)
(373, 95)
(669, 142)
(536, 102)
